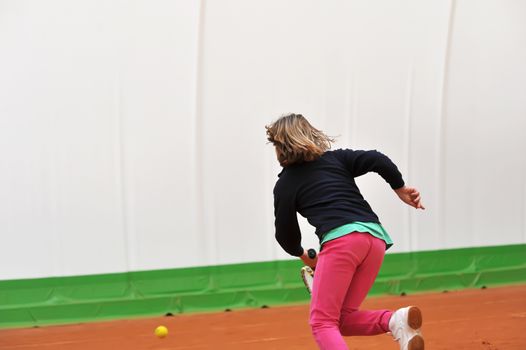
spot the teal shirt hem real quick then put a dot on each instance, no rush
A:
(372, 228)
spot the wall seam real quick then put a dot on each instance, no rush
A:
(198, 111)
(442, 126)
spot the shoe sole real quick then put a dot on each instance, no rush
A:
(416, 343)
(414, 319)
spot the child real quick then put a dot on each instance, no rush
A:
(319, 184)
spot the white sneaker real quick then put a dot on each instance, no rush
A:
(405, 326)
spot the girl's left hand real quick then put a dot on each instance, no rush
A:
(411, 196)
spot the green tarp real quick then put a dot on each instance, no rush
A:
(34, 302)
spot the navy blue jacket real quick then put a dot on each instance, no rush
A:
(324, 192)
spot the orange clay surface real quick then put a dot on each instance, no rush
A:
(490, 319)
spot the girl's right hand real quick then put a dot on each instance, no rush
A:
(307, 260)
(411, 196)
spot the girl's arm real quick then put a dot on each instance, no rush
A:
(360, 162)
(288, 232)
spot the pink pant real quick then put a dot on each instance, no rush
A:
(345, 272)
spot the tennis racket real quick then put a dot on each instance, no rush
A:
(307, 273)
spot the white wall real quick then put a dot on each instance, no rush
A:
(132, 133)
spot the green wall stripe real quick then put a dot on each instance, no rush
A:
(35, 302)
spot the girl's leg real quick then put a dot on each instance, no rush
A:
(335, 270)
(364, 322)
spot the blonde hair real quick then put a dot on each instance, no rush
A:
(296, 140)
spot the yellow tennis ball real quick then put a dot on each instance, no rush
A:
(161, 331)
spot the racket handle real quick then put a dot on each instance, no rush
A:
(311, 253)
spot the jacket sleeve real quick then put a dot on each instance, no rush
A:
(288, 232)
(362, 162)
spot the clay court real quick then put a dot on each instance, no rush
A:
(488, 319)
